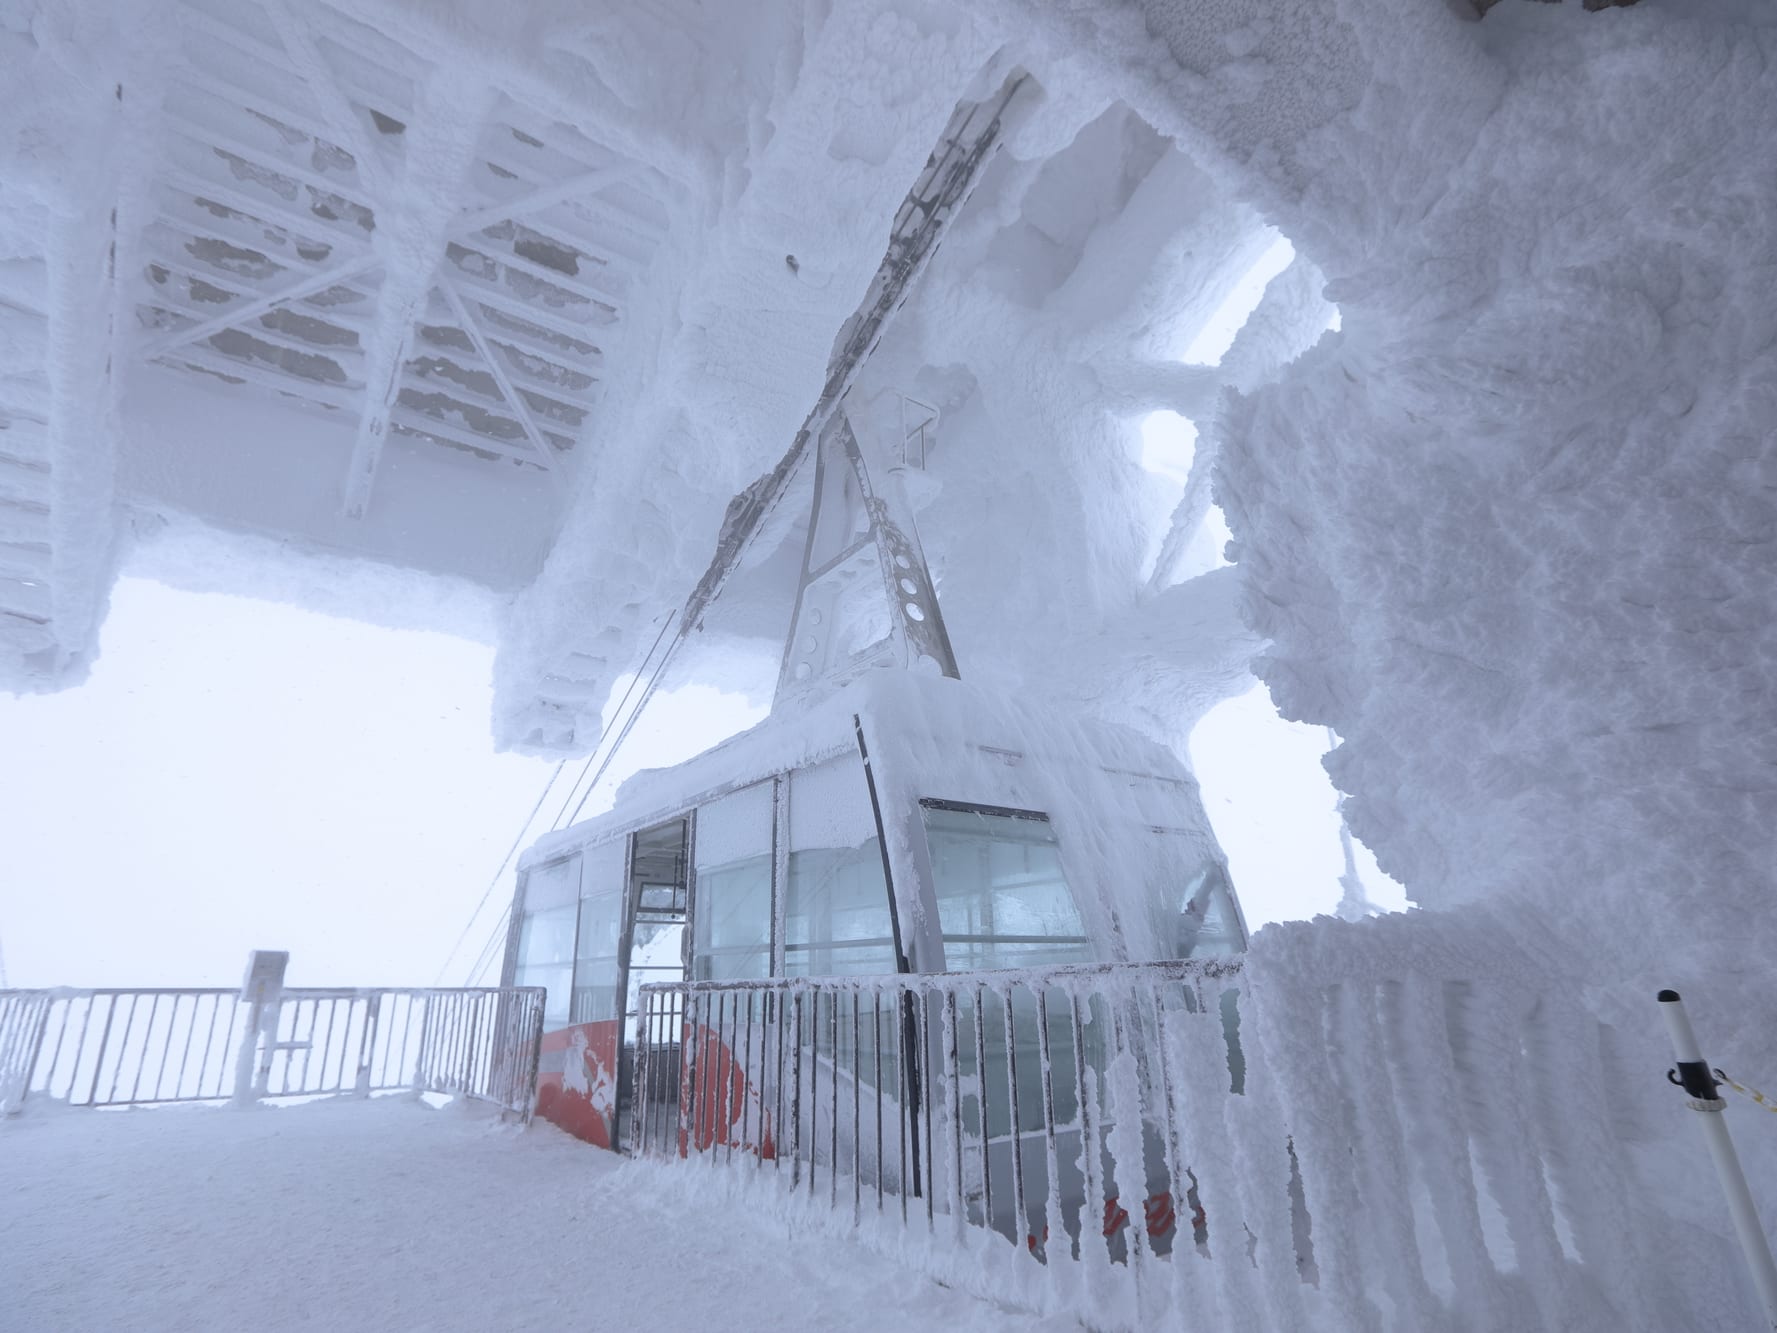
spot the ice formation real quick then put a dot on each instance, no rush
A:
(1495, 449)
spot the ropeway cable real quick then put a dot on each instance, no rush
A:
(490, 948)
(504, 861)
(636, 712)
(666, 624)
(482, 959)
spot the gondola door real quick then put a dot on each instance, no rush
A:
(654, 949)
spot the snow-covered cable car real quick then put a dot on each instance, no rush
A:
(907, 823)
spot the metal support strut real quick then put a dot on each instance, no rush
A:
(1693, 1075)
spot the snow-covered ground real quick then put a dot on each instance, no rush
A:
(394, 1215)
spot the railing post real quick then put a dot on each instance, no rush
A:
(420, 1056)
(34, 1019)
(533, 1053)
(92, 1089)
(367, 1044)
(644, 1076)
(471, 1051)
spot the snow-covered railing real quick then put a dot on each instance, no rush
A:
(159, 1046)
(1396, 1124)
(1036, 1102)
(1458, 1120)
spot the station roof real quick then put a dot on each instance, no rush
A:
(425, 285)
(322, 287)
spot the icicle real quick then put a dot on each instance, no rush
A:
(1256, 1131)
(1223, 1282)
(1296, 1031)
(1437, 1114)
(1506, 1144)
(1388, 1229)
(1597, 1197)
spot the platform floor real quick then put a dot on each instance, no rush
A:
(395, 1215)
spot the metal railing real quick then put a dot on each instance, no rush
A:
(1397, 1123)
(1039, 1103)
(152, 1047)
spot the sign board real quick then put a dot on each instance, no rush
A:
(264, 981)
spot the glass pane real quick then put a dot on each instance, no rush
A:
(547, 937)
(554, 977)
(546, 934)
(1003, 900)
(733, 917)
(657, 954)
(546, 958)
(836, 908)
(601, 922)
(734, 921)
(601, 928)
(553, 884)
(657, 868)
(1208, 925)
(595, 990)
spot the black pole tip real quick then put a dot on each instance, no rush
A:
(1667, 997)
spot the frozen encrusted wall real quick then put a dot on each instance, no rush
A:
(57, 441)
(1510, 531)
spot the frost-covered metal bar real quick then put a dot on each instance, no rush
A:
(997, 1145)
(950, 173)
(1694, 1075)
(162, 1046)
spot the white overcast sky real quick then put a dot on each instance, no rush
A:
(241, 774)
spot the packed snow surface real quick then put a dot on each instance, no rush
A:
(394, 1215)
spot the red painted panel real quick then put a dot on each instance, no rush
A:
(577, 1080)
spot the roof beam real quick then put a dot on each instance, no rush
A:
(195, 19)
(320, 281)
(282, 213)
(206, 358)
(162, 296)
(437, 380)
(633, 226)
(220, 141)
(178, 213)
(497, 369)
(406, 419)
(571, 288)
(538, 317)
(258, 102)
(545, 197)
(577, 284)
(412, 233)
(324, 87)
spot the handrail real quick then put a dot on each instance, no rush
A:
(1029, 1101)
(1314, 1136)
(149, 1046)
(1206, 969)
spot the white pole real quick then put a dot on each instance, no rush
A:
(1694, 1076)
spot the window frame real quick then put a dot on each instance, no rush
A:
(945, 938)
